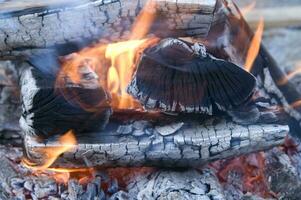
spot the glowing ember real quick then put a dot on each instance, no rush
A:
(251, 168)
(254, 46)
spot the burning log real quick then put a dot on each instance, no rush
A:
(48, 110)
(179, 142)
(205, 82)
(36, 27)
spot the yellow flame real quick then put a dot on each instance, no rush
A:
(66, 143)
(254, 46)
(117, 76)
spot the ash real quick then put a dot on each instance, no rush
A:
(274, 174)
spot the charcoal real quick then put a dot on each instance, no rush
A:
(48, 110)
(74, 190)
(28, 185)
(44, 187)
(169, 129)
(17, 183)
(120, 195)
(113, 187)
(90, 193)
(140, 125)
(125, 129)
(177, 76)
(138, 133)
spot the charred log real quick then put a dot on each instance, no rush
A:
(188, 79)
(182, 142)
(50, 110)
(40, 27)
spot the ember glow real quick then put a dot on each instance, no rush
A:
(254, 46)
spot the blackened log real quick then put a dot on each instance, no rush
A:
(9, 105)
(188, 79)
(180, 142)
(45, 25)
(51, 109)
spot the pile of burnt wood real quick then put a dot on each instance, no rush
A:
(199, 103)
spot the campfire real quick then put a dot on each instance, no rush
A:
(168, 100)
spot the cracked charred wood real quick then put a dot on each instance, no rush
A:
(37, 27)
(9, 104)
(181, 142)
(53, 105)
(188, 79)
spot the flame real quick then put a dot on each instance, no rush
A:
(116, 76)
(144, 21)
(254, 46)
(290, 75)
(108, 66)
(67, 142)
(113, 81)
(122, 56)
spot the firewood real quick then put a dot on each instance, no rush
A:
(193, 143)
(50, 110)
(177, 76)
(41, 27)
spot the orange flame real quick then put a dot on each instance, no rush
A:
(115, 77)
(254, 46)
(66, 143)
(290, 75)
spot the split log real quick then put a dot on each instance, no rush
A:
(178, 143)
(50, 109)
(40, 27)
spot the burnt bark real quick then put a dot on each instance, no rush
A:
(50, 109)
(41, 27)
(9, 104)
(179, 143)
